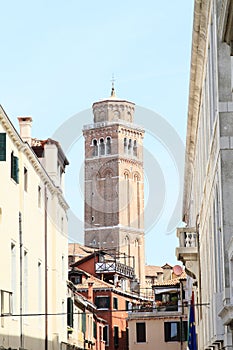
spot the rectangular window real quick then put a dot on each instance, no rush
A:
(106, 335)
(39, 197)
(13, 275)
(141, 332)
(39, 287)
(102, 302)
(84, 327)
(115, 303)
(14, 168)
(6, 302)
(94, 330)
(25, 281)
(2, 146)
(25, 175)
(70, 311)
(116, 336)
(175, 331)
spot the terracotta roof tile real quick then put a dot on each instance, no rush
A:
(171, 282)
(151, 270)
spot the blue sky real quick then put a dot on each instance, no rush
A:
(58, 57)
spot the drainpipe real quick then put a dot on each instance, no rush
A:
(21, 279)
(46, 266)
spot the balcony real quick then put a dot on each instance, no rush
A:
(187, 252)
(112, 267)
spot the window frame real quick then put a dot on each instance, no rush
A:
(140, 338)
(2, 146)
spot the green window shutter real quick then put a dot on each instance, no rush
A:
(70, 311)
(83, 322)
(2, 146)
(95, 330)
(16, 169)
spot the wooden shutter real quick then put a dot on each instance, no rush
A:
(70, 311)
(2, 146)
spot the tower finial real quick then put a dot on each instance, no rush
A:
(113, 94)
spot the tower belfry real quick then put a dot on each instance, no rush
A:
(114, 180)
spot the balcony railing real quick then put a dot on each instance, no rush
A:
(114, 267)
(187, 252)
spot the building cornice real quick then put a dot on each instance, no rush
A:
(31, 156)
(198, 59)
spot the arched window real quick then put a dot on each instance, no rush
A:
(135, 148)
(108, 145)
(95, 148)
(102, 147)
(125, 145)
(130, 147)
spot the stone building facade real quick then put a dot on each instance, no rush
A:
(114, 181)
(34, 244)
(206, 246)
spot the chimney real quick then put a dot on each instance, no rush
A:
(90, 291)
(25, 124)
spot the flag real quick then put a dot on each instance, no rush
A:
(192, 342)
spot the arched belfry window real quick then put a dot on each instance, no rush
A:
(130, 147)
(95, 148)
(108, 145)
(135, 148)
(125, 145)
(102, 147)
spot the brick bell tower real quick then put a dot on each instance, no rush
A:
(114, 182)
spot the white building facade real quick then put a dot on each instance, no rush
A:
(206, 244)
(33, 240)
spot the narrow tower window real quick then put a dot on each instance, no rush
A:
(135, 148)
(125, 145)
(130, 147)
(108, 145)
(95, 148)
(102, 147)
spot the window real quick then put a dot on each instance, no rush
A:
(70, 311)
(13, 275)
(141, 332)
(102, 302)
(76, 279)
(102, 147)
(14, 168)
(115, 303)
(6, 305)
(125, 145)
(116, 336)
(95, 148)
(25, 175)
(2, 146)
(108, 145)
(94, 330)
(175, 331)
(135, 148)
(84, 327)
(39, 197)
(106, 335)
(130, 146)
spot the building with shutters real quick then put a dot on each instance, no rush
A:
(206, 243)
(161, 324)
(34, 245)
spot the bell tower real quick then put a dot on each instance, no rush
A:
(114, 181)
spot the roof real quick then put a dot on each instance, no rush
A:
(151, 270)
(79, 251)
(171, 282)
